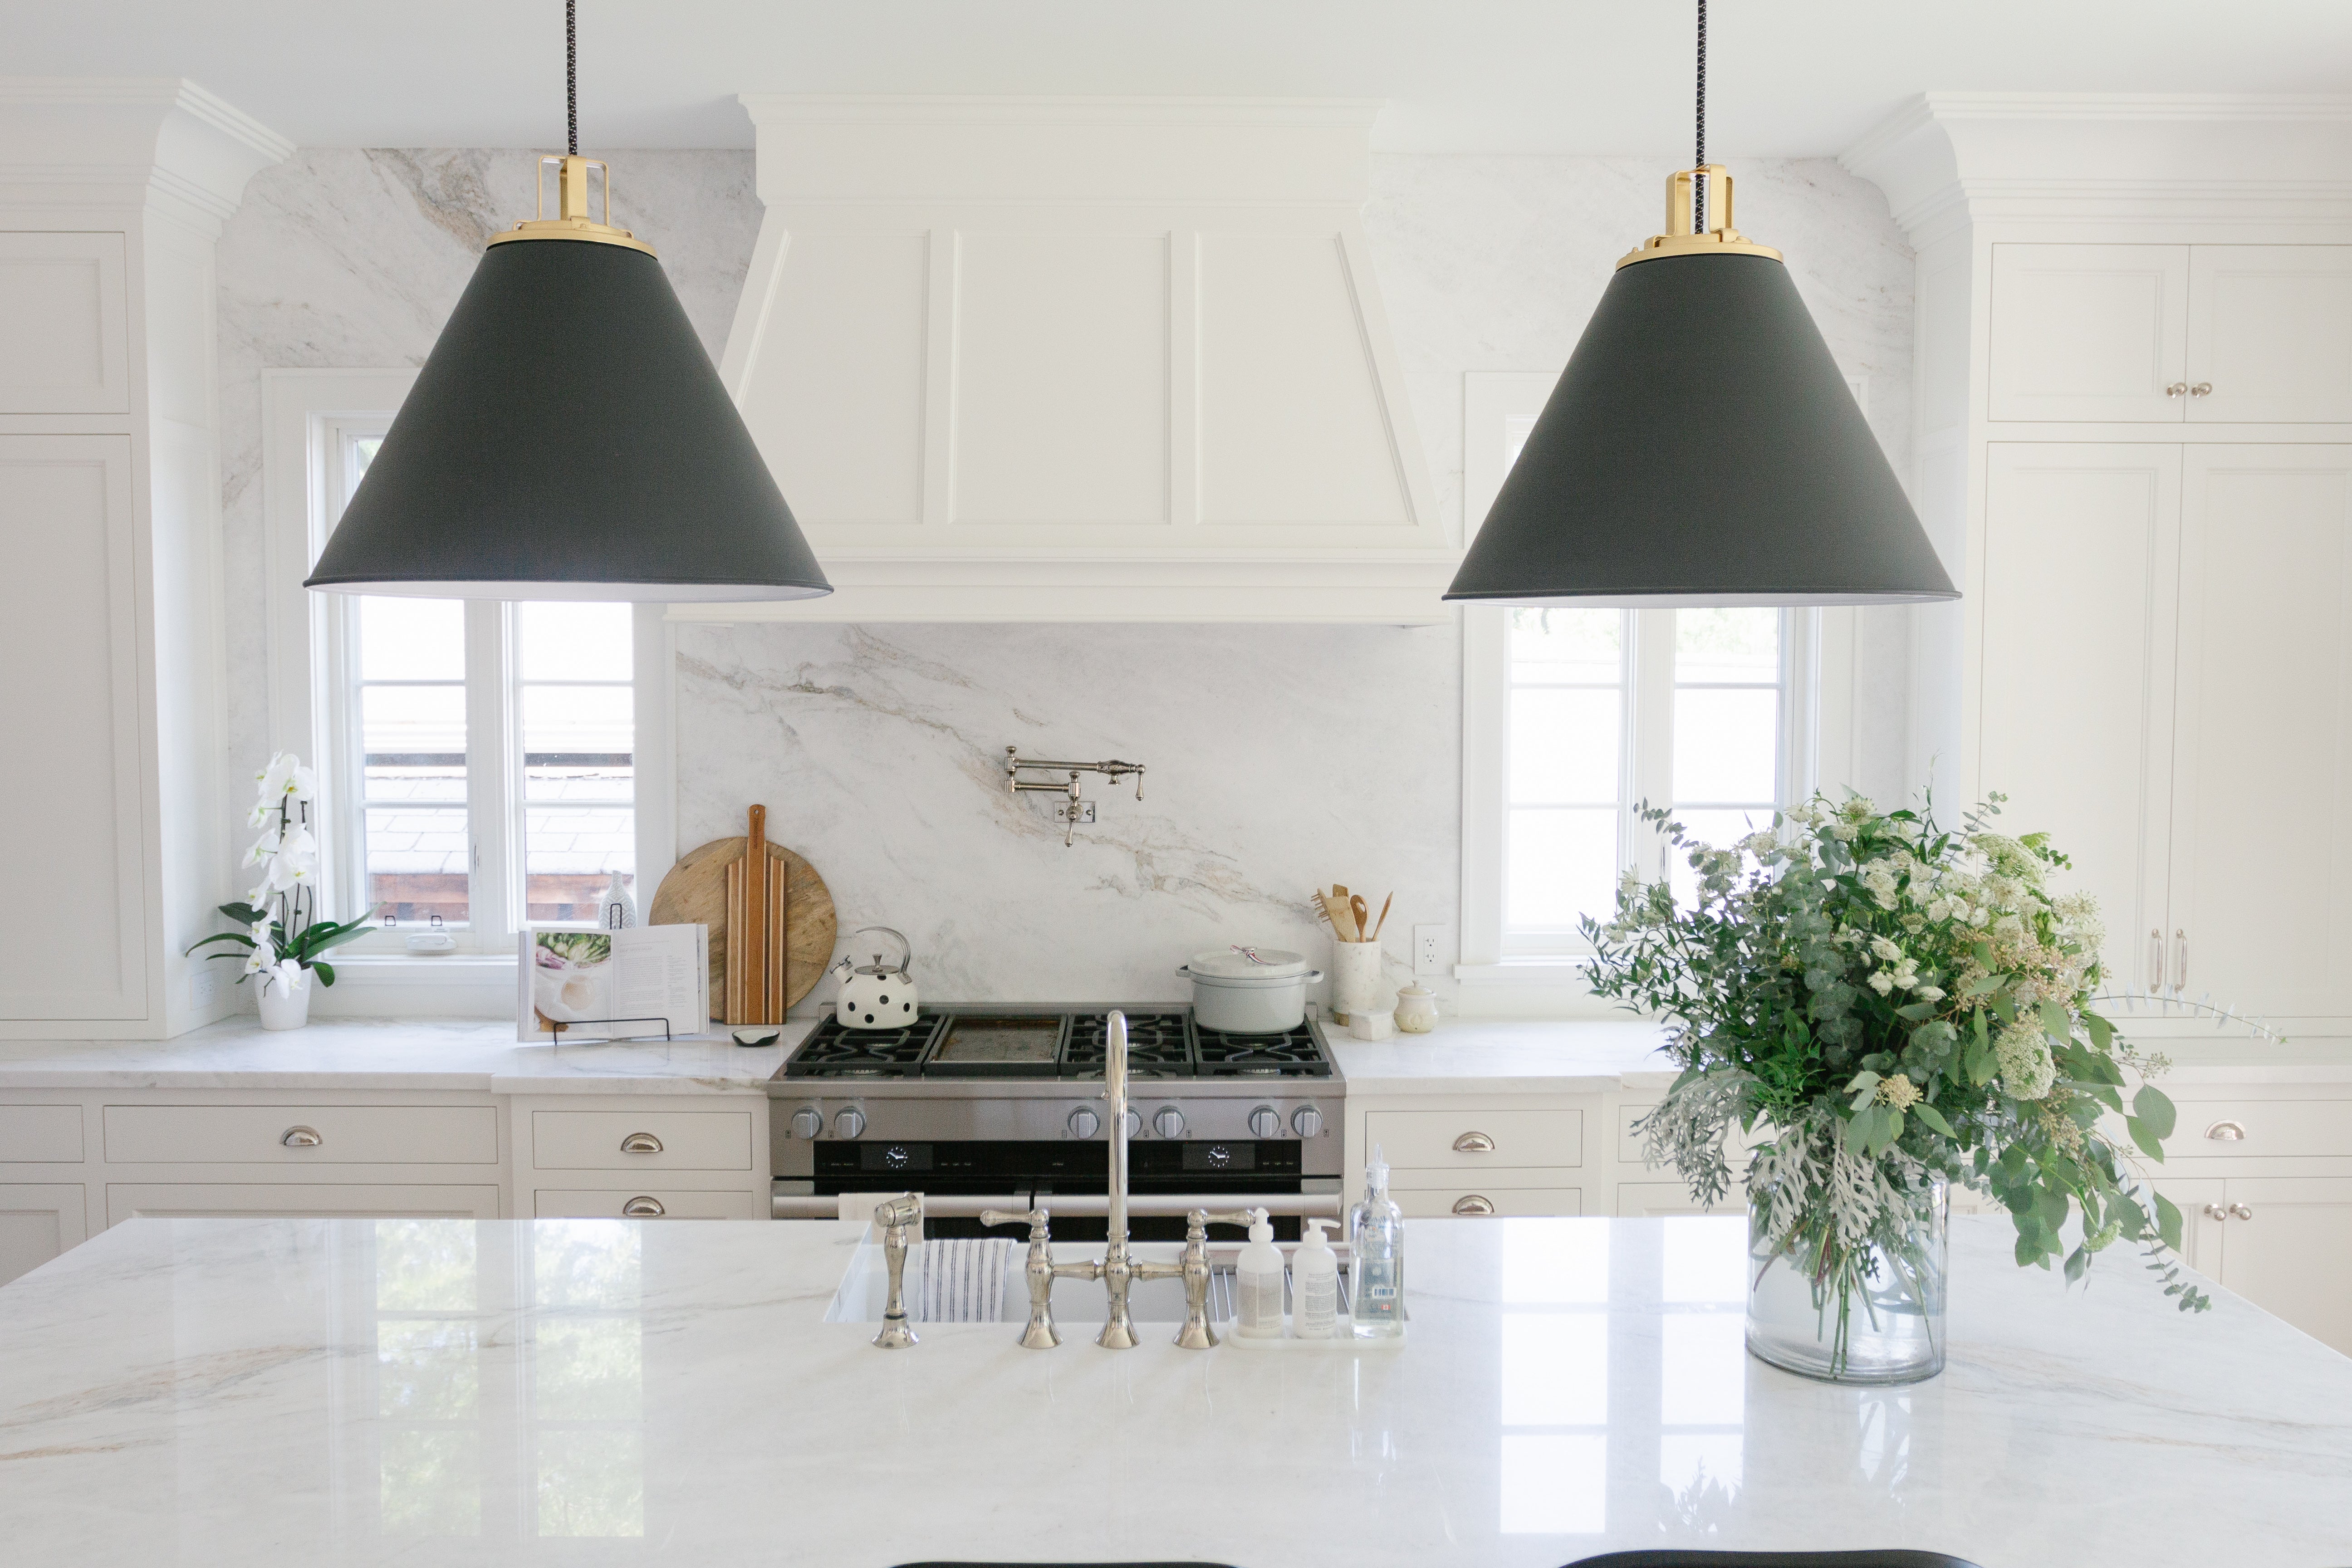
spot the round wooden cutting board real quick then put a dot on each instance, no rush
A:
(694, 892)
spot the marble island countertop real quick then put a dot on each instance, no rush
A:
(350, 1391)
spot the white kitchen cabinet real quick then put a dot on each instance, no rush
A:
(648, 1202)
(2089, 332)
(321, 1200)
(593, 1156)
(2286, 1246)
(301, 1135)
(2270, 333)
(64, 331)
(2165, 664)
(1488, 1199)
(37, 1221)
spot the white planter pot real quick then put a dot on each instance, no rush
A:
(284, 1006)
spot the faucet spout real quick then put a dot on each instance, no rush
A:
(1118, 1272)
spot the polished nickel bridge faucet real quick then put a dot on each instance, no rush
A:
(1116, 1269)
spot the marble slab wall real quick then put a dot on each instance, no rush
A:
(1280, 756)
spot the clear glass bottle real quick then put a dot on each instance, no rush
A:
(1376, 1258)
(1860, 1314)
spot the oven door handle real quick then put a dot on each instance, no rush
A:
(967, 1205)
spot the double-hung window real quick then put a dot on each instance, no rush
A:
(1575, 718)
(479, 760)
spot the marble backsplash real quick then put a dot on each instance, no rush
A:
(1280, 756)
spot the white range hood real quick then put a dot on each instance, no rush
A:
(1080, 360)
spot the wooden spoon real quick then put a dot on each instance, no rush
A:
(1363, 914)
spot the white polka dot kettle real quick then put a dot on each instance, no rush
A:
(876, 995)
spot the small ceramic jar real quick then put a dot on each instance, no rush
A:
(1366, 1025)
(1416, 1010)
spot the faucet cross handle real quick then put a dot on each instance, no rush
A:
(1037, 1270)
(1196, 1334)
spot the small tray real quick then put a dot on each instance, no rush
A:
(1346, 1342)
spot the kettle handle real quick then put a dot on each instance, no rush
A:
(904, 947)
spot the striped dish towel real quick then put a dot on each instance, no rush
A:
(961, 1280)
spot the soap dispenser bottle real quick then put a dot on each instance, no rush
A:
(1258, 1281)
(1314, 1277)
(1376, 1258)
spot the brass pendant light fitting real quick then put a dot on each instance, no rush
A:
(571, 220)
(1698, 200)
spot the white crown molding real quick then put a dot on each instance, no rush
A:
(2153, 158)
(84, 141)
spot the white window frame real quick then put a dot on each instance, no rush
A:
(1503, 973)
(308, 415)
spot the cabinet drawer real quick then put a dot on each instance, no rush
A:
(306, 1200)
(1476, 1140)
(345, 1134)
(613, 1204)
(38, 1134)
(2271, 1128)
(679, 1140)
(1504, 1203)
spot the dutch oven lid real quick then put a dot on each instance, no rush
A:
(1240, 963)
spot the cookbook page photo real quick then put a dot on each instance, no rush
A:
(580, 985)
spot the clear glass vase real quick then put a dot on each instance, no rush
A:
(1867, 1314)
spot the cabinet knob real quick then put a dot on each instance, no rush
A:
(643, 1208)
(2240, 1211)
(1474, 1144)
(641, 1144)
(2215, 1210)
(2227, 1132)
(1471, 1203)
(301, 1138)
(2177, 389)
(2202, 389)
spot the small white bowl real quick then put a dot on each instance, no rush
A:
(1381, 1025)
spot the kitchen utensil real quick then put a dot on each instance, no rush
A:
(1383, 920)
(1363, 912)
(1355, 978)
(878, 995)
(1249, 991)
(694, 892)
(1342, 922)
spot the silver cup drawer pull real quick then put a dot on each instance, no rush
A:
(1474, 1144)
(301, 1138)
(643, 1208)
(1471, 1203)
(2227, 1132)
(641, 1144)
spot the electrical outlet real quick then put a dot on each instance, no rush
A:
(203, 987)
(1429, 944)
(1085, 808)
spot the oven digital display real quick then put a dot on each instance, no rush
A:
(1001, 1040)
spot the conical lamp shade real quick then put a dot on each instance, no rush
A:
(1701, 448)
(569, 439)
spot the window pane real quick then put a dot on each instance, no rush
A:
(1728, 645)
(413, 726)
(1560, 865)
(568, 853)
(574, 642)
(1568, 645)
(416, 862)
(579, 720)
(1727, 743)
(1564, 745)
(1721, 829)
(412, 640)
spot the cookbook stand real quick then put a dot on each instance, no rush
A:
(560, 1030)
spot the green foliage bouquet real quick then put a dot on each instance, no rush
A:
(1878, 1002)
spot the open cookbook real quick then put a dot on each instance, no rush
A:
(614, 984)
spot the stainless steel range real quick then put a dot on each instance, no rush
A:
(996, 1107)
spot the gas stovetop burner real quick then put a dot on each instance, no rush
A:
(947, 1043)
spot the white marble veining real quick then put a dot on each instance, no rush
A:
(477, 1055)
(332, 1393)
(1281, 756)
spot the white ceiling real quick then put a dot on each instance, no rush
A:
(1789, 77)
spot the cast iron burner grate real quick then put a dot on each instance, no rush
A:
(1292, 1054)
(833, 1050)
(1157, 1046)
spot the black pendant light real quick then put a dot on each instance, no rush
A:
(1702, 447)
(568, 437)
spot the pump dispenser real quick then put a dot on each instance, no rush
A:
(1376, 1258)
(1315, 1280)
(1257, 1280)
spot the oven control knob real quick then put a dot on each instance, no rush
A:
(848, 1123)
(1266, 1121)
(1084, 1123)
(1134, 1124)
(1307, 1121)
(807, 1122)
(1169, 1122)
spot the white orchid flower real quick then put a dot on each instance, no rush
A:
(265, 846)
(256, 961)
(288, 973)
